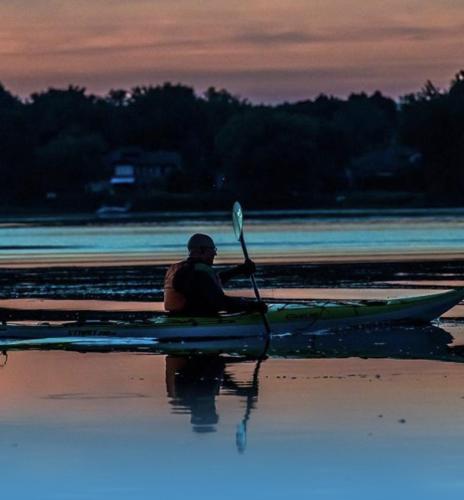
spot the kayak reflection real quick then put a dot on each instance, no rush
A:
(382, 341)
(424, 342)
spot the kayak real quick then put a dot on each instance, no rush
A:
(284, 318)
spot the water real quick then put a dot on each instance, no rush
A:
(355, 414)
(121, 425)
(290, 236)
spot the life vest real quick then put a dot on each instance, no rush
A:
(174, 301)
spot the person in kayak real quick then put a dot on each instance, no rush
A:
(192, 287)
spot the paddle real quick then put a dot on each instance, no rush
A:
(237, 220)
(252, 397)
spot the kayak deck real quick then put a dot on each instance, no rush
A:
(283, 318)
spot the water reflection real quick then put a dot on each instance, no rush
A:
(218, 395)
(192, 385)
(382, 341)
(401, 342)
(194, 382)
(198, 372)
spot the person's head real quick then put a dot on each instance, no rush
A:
(202, 247)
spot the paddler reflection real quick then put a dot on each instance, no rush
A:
(194, 382)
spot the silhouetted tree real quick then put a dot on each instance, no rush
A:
(270, 155)
(16, 147)
(432, 121)
(292, 153)
(70, 161)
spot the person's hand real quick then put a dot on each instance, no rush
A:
(248, 267)
(258, 306)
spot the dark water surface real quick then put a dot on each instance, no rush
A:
(145, 283)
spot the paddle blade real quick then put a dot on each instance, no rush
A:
(237, 219)
(241, 437)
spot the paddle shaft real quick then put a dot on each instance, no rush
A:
(253, 281)
(252, 276)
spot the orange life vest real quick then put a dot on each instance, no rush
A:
(174, 301)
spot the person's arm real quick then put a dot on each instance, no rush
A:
(245, 269)
(209, 295)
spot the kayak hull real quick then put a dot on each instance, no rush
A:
(283, 318)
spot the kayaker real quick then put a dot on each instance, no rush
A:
(193, 287)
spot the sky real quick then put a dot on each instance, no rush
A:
(263, 50)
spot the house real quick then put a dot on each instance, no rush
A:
(138, 169)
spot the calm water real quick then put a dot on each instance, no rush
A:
(137, 425)
(301, 236)
(352, 414)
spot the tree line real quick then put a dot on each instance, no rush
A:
(290, 154)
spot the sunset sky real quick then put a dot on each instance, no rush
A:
(265, 50)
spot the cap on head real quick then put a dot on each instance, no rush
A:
(199, 240)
